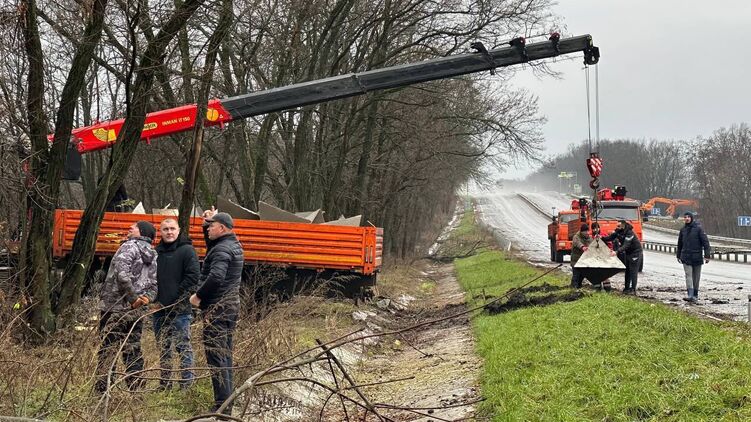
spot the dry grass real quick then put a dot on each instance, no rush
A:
(54, 381)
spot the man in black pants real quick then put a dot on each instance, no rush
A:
(632, 255)
(218, 296)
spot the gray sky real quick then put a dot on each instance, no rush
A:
(669, 70)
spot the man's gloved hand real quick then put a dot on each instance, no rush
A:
(679, 260)
(706, 260)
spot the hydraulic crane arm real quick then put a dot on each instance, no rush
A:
(221, 111)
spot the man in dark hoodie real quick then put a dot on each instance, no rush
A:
(691, 242)
(177, 276)
(630, 248)
(130, 284)
(218, 296)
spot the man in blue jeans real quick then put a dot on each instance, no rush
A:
(177, 276)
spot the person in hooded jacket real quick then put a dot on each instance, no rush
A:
(631, 251)
(130, 284)
(691, 242)
(580, 242)
(177, 277)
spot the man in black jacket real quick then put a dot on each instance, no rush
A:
(631, 251)
(177, 276)
(218, 297)
(615, 240)
(691, 242)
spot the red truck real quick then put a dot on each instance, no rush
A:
(610, 206)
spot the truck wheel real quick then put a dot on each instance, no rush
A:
(552, 250)
(559, 256)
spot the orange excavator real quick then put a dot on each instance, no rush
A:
(671, 205)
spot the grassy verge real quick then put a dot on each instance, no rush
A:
(602, 357)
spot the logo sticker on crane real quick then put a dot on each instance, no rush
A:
(212, 114)
(104, 135)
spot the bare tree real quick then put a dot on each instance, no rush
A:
(46, 163)
(124, 150)
(723, 179)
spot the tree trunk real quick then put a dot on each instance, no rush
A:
(262, 153)
(47, 163)
(122, 155)
(191, 167)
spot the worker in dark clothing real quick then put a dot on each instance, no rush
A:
(691, 242)
(580, 243)
(177, 277)
(218, 296)
(615, 240)
(631, 249)
(120, 201)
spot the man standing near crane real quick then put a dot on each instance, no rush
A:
(691, 242)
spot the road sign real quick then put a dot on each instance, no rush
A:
(744, 220)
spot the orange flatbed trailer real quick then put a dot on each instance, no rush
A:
(289, 245)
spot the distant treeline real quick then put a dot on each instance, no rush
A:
(714, 170)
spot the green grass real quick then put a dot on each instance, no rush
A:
(182, 403)
(605, 357)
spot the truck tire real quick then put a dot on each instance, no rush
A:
(552, 250)
(559, 256)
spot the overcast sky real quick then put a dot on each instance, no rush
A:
(669, 70)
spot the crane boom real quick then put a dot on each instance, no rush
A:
(221, 111)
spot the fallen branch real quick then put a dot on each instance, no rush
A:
(324, 349)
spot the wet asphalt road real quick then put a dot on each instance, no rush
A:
(725, 286)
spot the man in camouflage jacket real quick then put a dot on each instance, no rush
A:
(130, 284)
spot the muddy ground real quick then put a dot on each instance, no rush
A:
(429, 373)
(441, 357)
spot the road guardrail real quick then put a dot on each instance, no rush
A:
(720, 254)
(744, 242)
